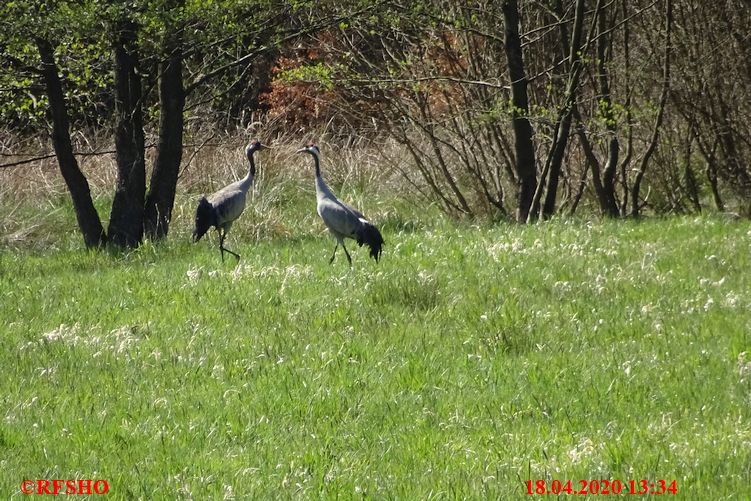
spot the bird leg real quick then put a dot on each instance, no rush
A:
(347, 254)
(334, 254)
(222, 248)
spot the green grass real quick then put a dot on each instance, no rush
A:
(470, 360)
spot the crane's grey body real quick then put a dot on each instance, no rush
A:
(222, 208)
(229, 202)
(342, 220)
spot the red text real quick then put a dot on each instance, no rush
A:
(58, 486)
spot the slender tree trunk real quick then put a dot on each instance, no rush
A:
(592, 161)
(735, 165)
(565, 115)
(161, 196)
(608, 202)
(629, 122)
(712, 177)
(664, 94)
(126, 219)
(86, 214)
(692, 187)
(523, 146)
(710, 157)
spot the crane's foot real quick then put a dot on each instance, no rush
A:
(231, 252)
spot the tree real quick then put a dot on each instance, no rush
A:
(524, 148)
(255, 28)
(33, 30)
(664, 94)
(606, 190)
(161, 195)
(563, 123)
(713, 97)
(86, 214)
(126, 218)
(613, 109)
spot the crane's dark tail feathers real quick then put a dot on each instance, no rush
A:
(205, 219)
(370, 236)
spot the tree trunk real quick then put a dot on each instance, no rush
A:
(86, 214)
(608, 202)
(565, 114)
(628, 128)
(126, 219)
(712, 177)
(592, 161)
(710, 157)
(664, 94)
(161, 196)
(523, 146)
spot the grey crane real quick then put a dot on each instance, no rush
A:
(222, 208)
(342, 220)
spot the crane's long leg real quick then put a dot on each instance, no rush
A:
(221, 241)
(347, 254)
(334, 254)
(222, 248)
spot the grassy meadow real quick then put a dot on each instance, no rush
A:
(471, 359)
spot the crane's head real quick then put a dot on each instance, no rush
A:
(310, 148)
(253, 146)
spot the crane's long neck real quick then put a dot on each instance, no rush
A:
(322, 191)
(247, 181)
(318, 165)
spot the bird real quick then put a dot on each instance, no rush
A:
(342, 220)
(222, 208)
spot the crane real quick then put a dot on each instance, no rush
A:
(222, 208)
(342, 220)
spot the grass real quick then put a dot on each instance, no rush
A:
(471, 359)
